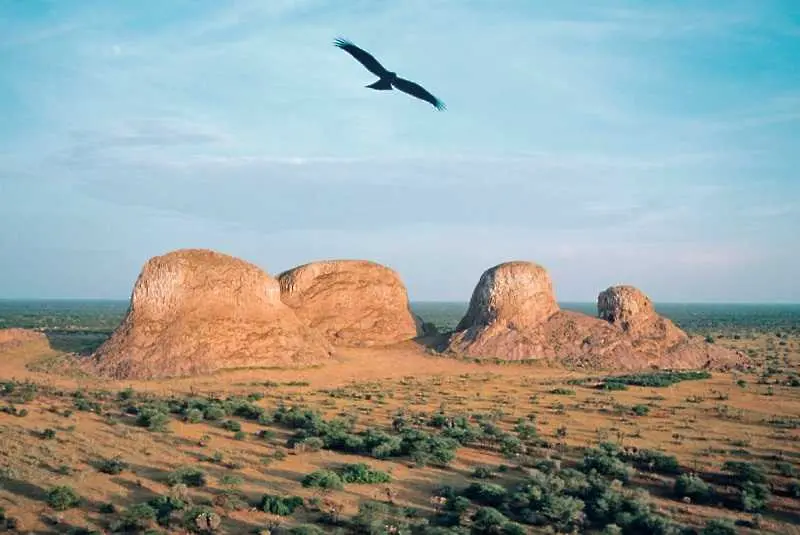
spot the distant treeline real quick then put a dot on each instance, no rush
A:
(103, 316)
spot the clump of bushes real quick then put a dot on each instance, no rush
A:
(590, 498)
(363, 474)
(187, 475)
(654, 461)
(338, 434)
(323, 479)
(136, 519)
(658, 379)
(693, 487)
(483, 472)
(280, 505)
(153, 418)
(112, 466)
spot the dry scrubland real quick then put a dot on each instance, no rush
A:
(492, 448)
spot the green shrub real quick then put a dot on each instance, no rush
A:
(213, 413)
(187, 475)
(486, 494)
(62, 498)
(164, 507)
(362, 473)
(659, 379)
(562, 392)
(719, 526)
(786, 469)
(744, 472)
(605, 461)
(136, 519)
(280, 505)
(153, 419)
(193, 416)
(488, 520)
(323, 479)
(640, 410)
(49, 434)
(306, 529)
(113, 466)
(379, 519)
(613, 386)
(232, 425)
(483, 472)
(655, 461)
(794, 489)
(753, 497)
(693, 487)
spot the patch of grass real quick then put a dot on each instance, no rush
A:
(659, 379)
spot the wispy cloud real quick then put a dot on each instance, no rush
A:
(602, 139)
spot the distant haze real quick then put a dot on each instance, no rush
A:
(645, 143)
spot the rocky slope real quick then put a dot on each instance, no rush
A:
(14, 337)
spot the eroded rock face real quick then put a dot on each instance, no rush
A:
(632, 311)
(353, 303)
(516, 293)
(509, 304)
(194, 311)
(513, 315)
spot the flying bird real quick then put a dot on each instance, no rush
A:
(387, 79)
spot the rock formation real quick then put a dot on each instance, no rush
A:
(194, 311)
(632, 311)
(352, 303)
(513, 315)
(14, 337)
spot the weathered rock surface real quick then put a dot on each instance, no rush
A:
(513, 315)
(15, 337)
(194, 311)
(353, 303)
(519, 294)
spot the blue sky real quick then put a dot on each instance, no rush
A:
(638, 142)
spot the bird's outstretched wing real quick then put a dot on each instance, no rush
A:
(407, 86)
(365, 58)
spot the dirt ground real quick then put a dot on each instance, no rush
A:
(752, 417)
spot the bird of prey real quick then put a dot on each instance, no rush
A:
(387, 79)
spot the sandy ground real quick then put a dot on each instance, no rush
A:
(703, 423)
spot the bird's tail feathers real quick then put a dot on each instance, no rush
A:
(382, 83)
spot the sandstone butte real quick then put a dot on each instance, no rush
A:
(195, 311)
(513, 315)
(353, 303)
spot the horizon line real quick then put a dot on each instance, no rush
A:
(436, 301)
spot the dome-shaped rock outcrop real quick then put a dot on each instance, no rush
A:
(353, 303)
(513, 315)
(194, 311)
(508, 306)
(632, 311)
